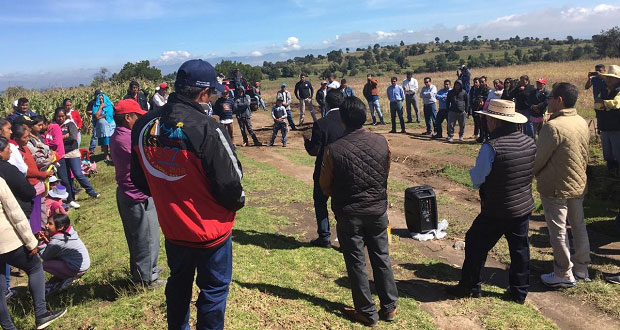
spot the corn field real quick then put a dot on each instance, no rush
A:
(45, 102)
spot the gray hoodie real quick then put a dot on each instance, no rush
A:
(68, 248)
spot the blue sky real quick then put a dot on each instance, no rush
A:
(57, 37)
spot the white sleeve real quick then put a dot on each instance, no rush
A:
(17, 160)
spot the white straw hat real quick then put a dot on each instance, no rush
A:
(503, 110)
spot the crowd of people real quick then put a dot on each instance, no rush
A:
(170, 142)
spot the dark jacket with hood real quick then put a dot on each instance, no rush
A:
(140, 97)
(457, 101)
(20, 187)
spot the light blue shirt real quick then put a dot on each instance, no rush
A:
(484, 163)
(395, 93)
(428, 94)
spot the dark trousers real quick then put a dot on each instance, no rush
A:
(214, 273)
(245, 123)
(36, 283)
(289, 117)
(442, 115)
(355, 232)
(480, 239)
(63, 174)
(142, 234)
(320, 210)
(411, 99)
(279, 127)
(429, 117)
(396, 107)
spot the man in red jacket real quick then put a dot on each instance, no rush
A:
(185, 160)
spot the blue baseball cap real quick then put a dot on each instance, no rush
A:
(198, 73)
(283, 85)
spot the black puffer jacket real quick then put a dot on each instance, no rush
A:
(19, 185)
(361, 163)
(507, 190)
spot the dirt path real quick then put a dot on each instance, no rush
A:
(414, 165)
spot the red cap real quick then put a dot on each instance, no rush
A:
(128, 106)
(163, 85)
(542, 80)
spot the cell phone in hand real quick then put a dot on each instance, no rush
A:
(592, 74)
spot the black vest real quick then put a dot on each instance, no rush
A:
(361, 164)
(507, 190)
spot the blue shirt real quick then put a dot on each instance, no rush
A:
(347, 92)
(442, 97)
(395, 93)
(484, 163)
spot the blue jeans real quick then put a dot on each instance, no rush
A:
(610, 140)
(214, 268)
(320, 210)
(289, 117)
(259, 100)
(396, 108)
(429, 117)
(93, 143)
(528, 127)
(372, 106)
(74, 165)
(323, 110)
(279, 127)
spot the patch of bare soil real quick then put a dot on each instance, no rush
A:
(413, 164)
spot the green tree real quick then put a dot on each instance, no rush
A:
(139, 70)
(101, 77)
(607, 43)
(335, 56)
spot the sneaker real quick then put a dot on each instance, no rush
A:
(427, 133)
(584, 277)
(257, 144)
(552, 281)
(387, 316)
(271, 144)
(403, 131)
(152, 285)
(436, 136)
(509, 296)
(321, 243)
(450, 139)
(461, 138)
(614, 278)
(393, 131)
(95, 195)
(374, 123)
(382, 123)
(283, 145)
(460, 291)
(46, 319)
(74, 205)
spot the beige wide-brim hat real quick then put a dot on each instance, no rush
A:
(612, 72)
(503, 110)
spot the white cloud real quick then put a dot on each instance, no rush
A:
(173, 56)
(256, 53)
(292, 43)
(325, 42)
(1, 75)
(385, 35)
(580, 22)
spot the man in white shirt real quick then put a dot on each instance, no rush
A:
(160, 97)
(410, 85)
(285, 96)
(332, 83)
